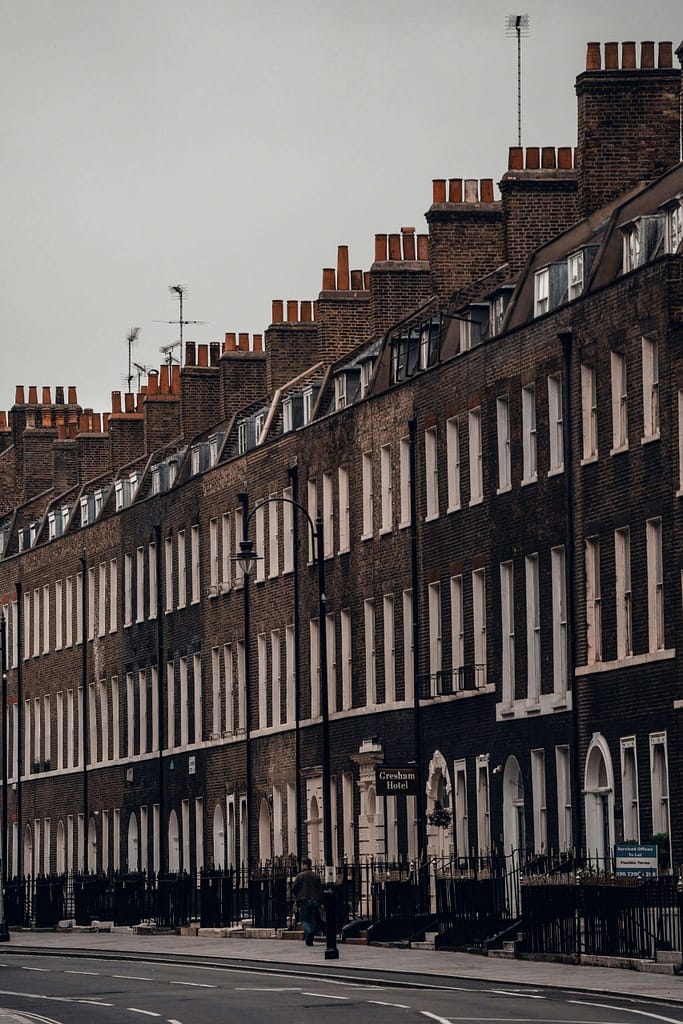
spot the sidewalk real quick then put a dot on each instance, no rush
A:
(402, 963)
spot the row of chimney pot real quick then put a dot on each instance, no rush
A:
(406, 246)
(545, 158)
(158, 382)
(628, 56)
(294, 312)
(344, 280)
(474, 191)
(131, 403)
(20, 396)
(240, 342)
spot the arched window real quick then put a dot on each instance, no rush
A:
(173, 843)
(218, 837)
(133, 844)
(314, 833)
(514, 820)
(599, 799)
(27, 863)
(92, 844)
(61, 848)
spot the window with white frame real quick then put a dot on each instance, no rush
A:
(128, 590)
(479, 622)
(593, 601)
(631, 252)
(404, 453)
(46, 619)
(290, 670)
(152, 581)
(533, 629)
(115, 717)
(629, 789)
(389, 648)
(229, 690)
(287, 530)
(650, 389)
(216, 705)
(262, 655)
(168, 574)
(184, 702)
(60, 730)
(36, 622)
(92, 599)
(386, 486)
(140, 585)
(198, 697)
(170, 705)
(367, 495)
(331, 644)
(130, 715)
(435, 636)
(555, 423)
(370, 653)
(655, 585)
(408, 647)
(239, 537)
(503, 436)
(340, 391)
(346, 665)
(539, 801)
(541, 291)
(27, 624)
(273, 537)
(260, 530)
(328, 515)
(431, 473)
(275, 677)
(589, 413)
(314, 652)
(154, 697)
(59, 615)
(457, 627)
(213, 556)
(574, 275)
(142, 711)
(659, 780)
(476, 467)
(674, 227)
(619, 401)
(563, 774)
(680, 442)
(483, 806)
(312, 504)
(461, 821)
(529, 462)
(507, 631)
(344, 509)
(226, 551)
(453, 463)
(182, 570)
(102, 599)
(559, 594)
(622, 565)
(195, 561)
(241, 687)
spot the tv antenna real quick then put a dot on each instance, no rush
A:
(132, 338)
(141, 371)
(518, 25)
(179, 291)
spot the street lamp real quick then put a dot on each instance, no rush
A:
(247, 560)
(4, 930)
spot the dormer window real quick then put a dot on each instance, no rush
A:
(215, 442)
(33, 533)
(172, 471)
(366, 369)
(632, 248)
(259, 424)
(575, 271)
(643, 240)
(287, 417)
(310, 395)
(541, 291)
(98, 501)
(674, 227)
(119, 500)
(242, 437)
(85, 510)
(497, 313)
(51, 525)
(340, 391)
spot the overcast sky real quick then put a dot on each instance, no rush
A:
(231, 146)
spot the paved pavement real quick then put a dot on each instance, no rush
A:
(404, 962)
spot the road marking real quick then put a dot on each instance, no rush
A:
(323, 995)
(93, 974)
(625, 1009)
(147, 1013)
(41, 970)
(130, 977)
(514, 992)
(94, 1002)
(398, 1006)
(194, 984)
(240, 989)
(433, 1016)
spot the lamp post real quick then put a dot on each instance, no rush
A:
(247, 559)
(4, 930)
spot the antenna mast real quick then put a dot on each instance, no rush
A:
(178, 290)
(518, 24)
(132, 338)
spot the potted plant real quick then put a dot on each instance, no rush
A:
(440, 817)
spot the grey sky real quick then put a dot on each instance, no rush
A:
(231, 146)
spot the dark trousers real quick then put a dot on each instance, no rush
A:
(309, 916)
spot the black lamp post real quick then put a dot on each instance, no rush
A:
(247, 560)
(4, 930)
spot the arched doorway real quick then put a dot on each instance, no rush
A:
(438, 791)
(514, 820)
(27, 862)
(218, 837)
(133, 843)
(599, 799)
(61, 848)
(173, 843)
(232, 835)
(92, 845)
(314, 823)
(264, 832)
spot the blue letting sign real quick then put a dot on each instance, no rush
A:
(636, 860)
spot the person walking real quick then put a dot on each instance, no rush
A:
(307, 889)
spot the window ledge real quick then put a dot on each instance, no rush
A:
(589, 460)
(556, 471)
(453, 508)
(405, 525)
(504, 490)
(430, 518)
(650, 438)
(476, 501)
(385, 531)
(363, 536)
(342, 551)
(618, 451)
(529, 480)
(633, 660)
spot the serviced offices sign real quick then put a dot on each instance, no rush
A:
(635, 860)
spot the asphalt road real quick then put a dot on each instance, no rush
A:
(45, 989)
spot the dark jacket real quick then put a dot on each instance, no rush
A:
(307, 885)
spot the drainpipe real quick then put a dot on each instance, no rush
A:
(244, 501)
(294, 481)
(86, 706)
(566, 340)
(20, 727)
(414, 583)
(162, 697)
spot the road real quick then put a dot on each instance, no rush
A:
(68, 990)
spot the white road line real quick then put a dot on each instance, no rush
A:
(93, 974)
(147, 1013)
(239, 988)
(398, 1006)
(171, 1021)
(194, 984)
(130, 977)
(323, 995)
(515, 993)
(433, 1016)
(625, 1009)
(41, 970)
(93, 1002)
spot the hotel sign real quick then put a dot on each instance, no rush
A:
(396, 781)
